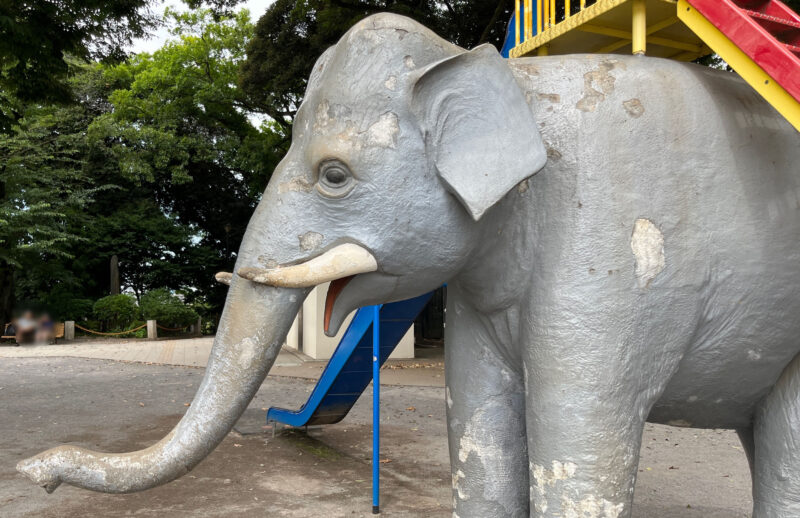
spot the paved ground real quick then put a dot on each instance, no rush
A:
(119, 406)
(428, 370)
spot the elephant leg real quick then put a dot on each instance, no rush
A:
(582, 463)
(748, 444)
(587, 403)
(486, 424)
(776, 479)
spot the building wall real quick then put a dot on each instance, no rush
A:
(313, 341)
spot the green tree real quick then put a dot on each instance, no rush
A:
(180, 129)
(292, 34)
(37, 35)
(42, 180)
(161, 305)
(94, 211)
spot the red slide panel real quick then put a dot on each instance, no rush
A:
(774, 57)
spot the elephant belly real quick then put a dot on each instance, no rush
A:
(731, 366)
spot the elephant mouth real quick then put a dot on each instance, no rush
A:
(334, 290)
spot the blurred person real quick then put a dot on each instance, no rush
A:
(45, 332)
(25, 327)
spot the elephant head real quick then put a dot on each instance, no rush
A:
(401, 145)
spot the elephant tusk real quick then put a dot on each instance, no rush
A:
(341, 261)
(224, 278)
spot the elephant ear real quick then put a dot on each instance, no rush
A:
(478, 128)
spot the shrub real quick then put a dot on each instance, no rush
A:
(62, 304)
(118, 310)
(167, 309)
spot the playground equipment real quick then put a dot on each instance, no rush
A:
(760, 39)
(650, 271)
(368, 342)
(349, 371)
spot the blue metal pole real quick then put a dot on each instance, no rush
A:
(376, 409)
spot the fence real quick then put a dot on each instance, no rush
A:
(151, 325)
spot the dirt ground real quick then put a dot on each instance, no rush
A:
(116, 406)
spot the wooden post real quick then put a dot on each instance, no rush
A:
(69, 330)
(198, 326)
(152, 330)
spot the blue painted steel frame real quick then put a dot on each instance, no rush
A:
(348, 373)
(376, 409)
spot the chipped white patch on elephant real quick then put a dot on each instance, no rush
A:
(383, 132)
(480, 443)
(544, 478)
(448, 398)
(296, 184)
(647, 244)
(457, 477)
(590, 507)
(408, 61)
(390, 83)
(322, 118)
(248, 352)
(548, 483)
(310, 240)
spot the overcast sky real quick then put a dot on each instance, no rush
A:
(256, 7)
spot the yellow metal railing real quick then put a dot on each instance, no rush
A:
(551, 14)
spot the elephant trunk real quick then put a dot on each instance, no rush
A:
(253, 326)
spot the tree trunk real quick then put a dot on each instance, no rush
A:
(6, 293)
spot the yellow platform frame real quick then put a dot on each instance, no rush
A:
(662, 28)
(607, 26)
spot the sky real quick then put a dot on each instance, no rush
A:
(157, 39)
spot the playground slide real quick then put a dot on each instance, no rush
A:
(349, 371)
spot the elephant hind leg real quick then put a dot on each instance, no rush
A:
(776, 434)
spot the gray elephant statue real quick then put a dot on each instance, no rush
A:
(650, 271)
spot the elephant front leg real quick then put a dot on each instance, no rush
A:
(583, 462)
(586, 406)
(486, 426)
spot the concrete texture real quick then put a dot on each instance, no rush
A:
(120, 406)
(426, 370)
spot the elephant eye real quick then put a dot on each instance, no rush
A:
(335, 179)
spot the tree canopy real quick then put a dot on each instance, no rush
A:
(157, 161)
(39, 34)
(292, 34)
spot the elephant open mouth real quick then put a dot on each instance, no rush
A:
(338, 266)
(334, 290)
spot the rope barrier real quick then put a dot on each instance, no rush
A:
(110, 334)
(171, 328)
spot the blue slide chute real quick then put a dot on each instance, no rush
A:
(349, 371)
